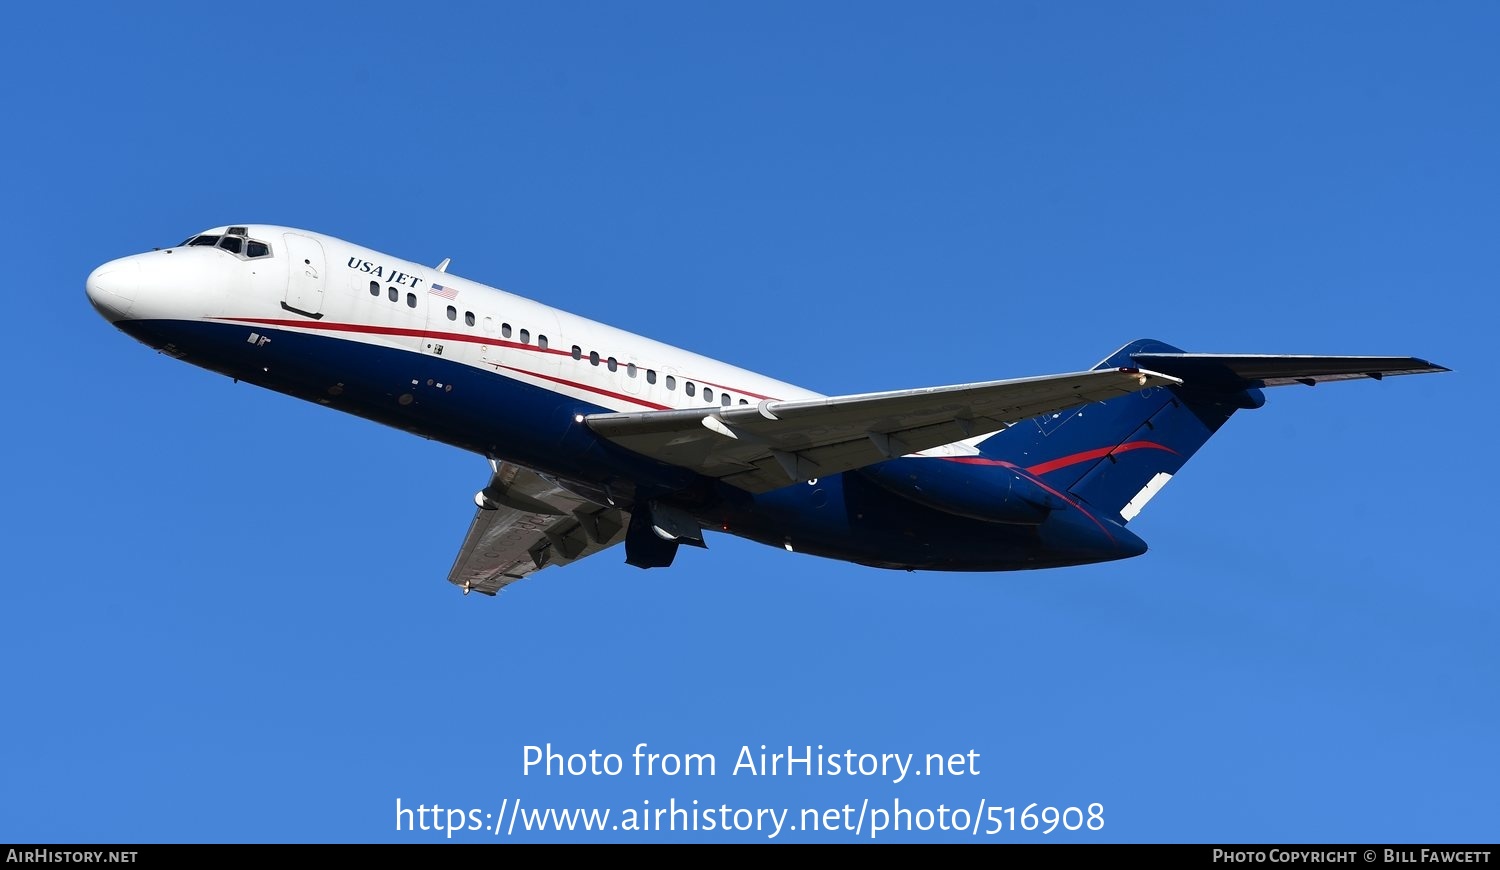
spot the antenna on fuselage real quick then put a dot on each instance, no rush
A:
(443, 266)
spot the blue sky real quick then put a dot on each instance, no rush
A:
(225, 613)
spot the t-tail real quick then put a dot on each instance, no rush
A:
(1117, 454)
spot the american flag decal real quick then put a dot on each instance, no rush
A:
(445, 292)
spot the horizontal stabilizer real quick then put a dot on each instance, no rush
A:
(1118, 454)
(1238, 371)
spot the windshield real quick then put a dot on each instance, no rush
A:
(234, 243)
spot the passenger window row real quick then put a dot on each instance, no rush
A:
(469, 320)
(611, 363)
(670, 382)
(393, 294)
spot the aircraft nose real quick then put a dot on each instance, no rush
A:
(112, 288)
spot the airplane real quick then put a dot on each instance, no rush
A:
(597, 437)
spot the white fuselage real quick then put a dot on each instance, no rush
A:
(516, 380)
(365, 296)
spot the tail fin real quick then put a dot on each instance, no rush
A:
(1115, 455)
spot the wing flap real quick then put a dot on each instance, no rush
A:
(768, 446)
(528, 522)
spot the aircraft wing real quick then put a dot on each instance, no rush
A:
(525, 523)
(767, 446)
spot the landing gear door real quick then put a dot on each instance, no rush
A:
(304, 286)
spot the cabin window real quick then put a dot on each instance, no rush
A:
(630, 370)
(650, 376)
(593, 357)
(724, 399)
(687, 387)
(525, 336)
(541, 342)
(391, 292)
(468, 318)
(411, 300)
(577, 352)
(708, 394)
(671, 382)
(744, 401)
(375, 289)
(614, 364)
(452, 313)
(505, 330)
(254, 249)
(232, 244)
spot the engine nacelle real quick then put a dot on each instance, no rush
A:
(972, 487)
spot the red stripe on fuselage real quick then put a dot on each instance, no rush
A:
(1065, 461)
(372, 329)
(736, 390)
(1033, 473)
(1099, 453)
(621, 396)
(980, 460)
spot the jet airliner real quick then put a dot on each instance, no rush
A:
(596, 436)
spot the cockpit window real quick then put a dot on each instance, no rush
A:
(234, 243)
